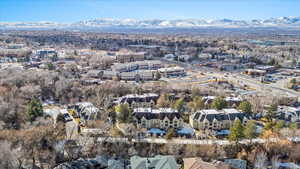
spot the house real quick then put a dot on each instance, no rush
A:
(212, 119)
(236, 163)
(85, 110)
(157, 162)
(172, 72)
(163, 118)
(135, 101)
(101, 162)
(198, 163)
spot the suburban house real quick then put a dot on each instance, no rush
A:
(163, 118)
(157, 162)
(172, 71)
(198, 163)
(135, 101)
(86, 110)
(212, 119)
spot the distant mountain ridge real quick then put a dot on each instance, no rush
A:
(159, 23)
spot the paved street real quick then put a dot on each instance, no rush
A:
(186, 141)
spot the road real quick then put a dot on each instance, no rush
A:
(237, 78)
(187, 141)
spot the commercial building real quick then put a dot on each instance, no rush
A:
(172, 72)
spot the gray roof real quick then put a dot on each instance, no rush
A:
(157, 162)
(220, 115)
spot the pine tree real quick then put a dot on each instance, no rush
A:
(123, 113)
(250, 130)
(179, 105)
(245, 107)
(219, 103)
(34, 109)
(236, 131)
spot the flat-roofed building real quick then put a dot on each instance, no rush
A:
(138, 65)
(172, 71)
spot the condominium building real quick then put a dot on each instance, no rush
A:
(217, 119)
(130, 57)
(135, 101)
(163, 118)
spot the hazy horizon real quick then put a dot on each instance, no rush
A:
(67, 11)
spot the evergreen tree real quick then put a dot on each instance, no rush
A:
(219, 103)
(236, 131)
(123, 113)
(250, 130)
(245, 107)
(179, 105)
(34, 109)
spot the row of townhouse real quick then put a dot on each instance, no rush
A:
(231, 101)
(163, 118)
(135, 100)
(140, 75)
(130, 56)
(217, 119)
(138, 65)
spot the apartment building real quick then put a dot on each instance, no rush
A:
(130, 57)
(163, 118)
(135, 101)
(212, 119)
(138, 65)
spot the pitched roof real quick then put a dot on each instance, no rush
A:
(198, 163)
(157, 162)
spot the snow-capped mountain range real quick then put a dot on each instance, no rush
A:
(158, 23)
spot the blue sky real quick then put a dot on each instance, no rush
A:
(76, 10)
